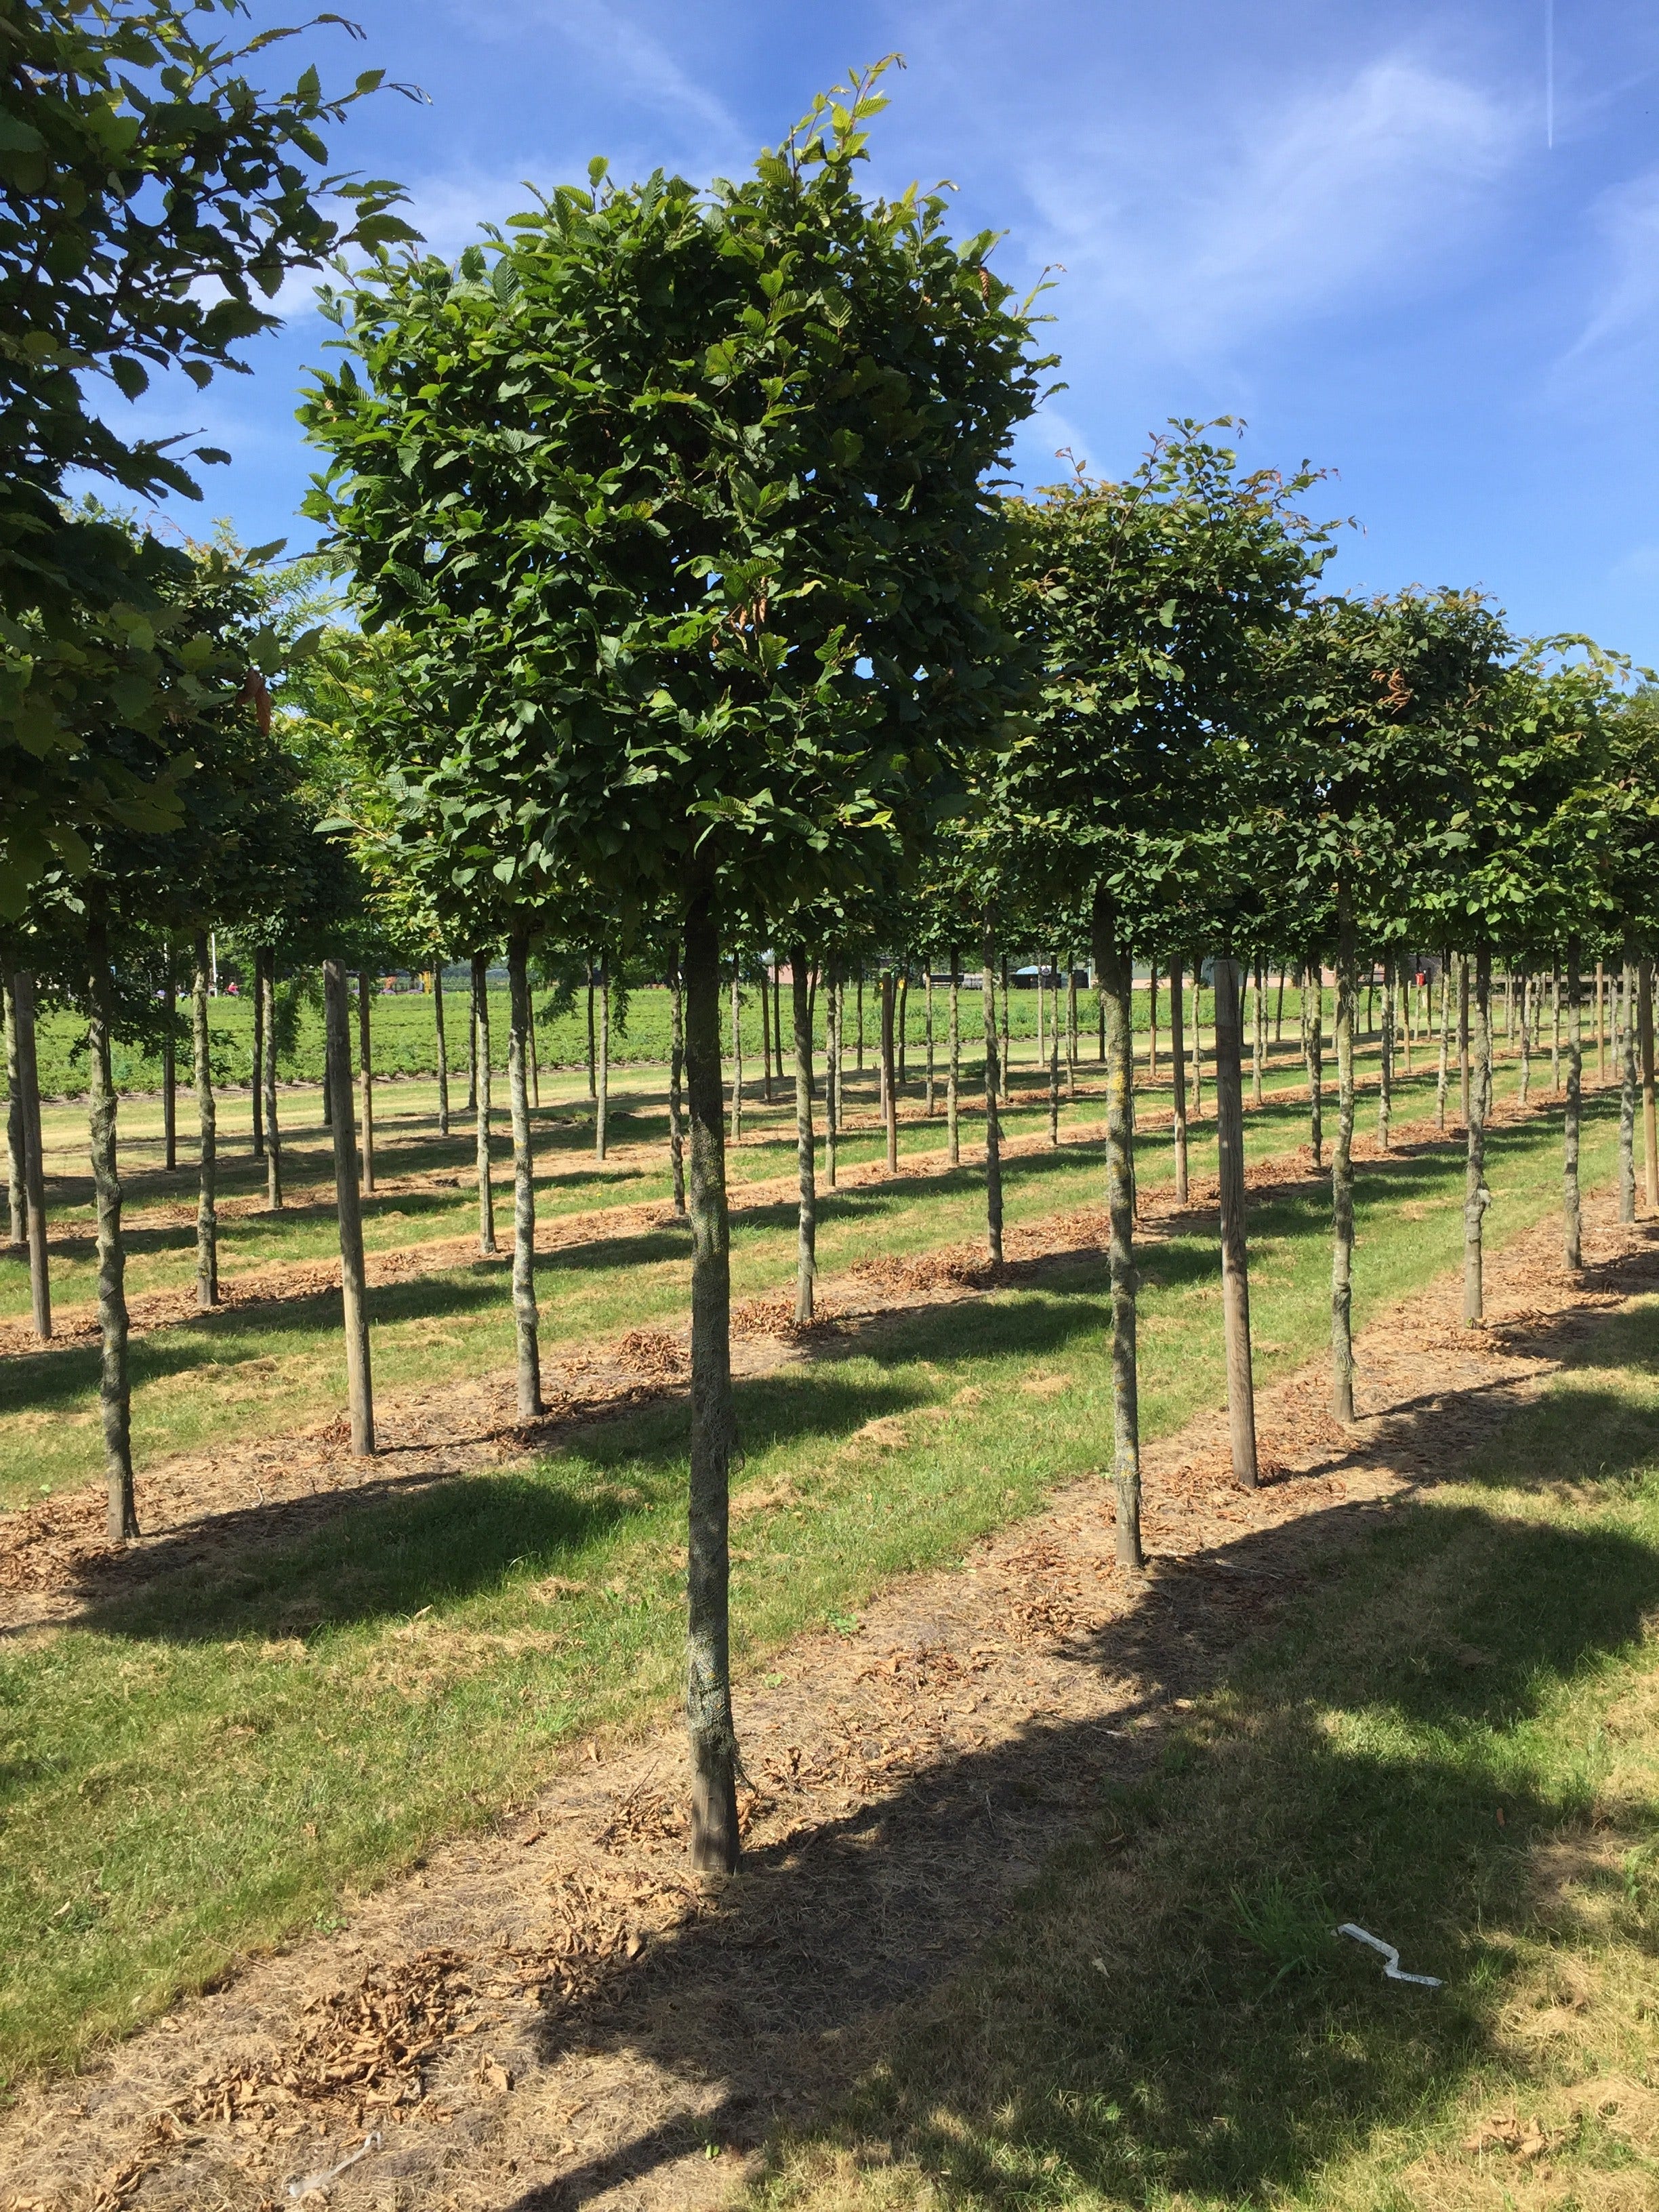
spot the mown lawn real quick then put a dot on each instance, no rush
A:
(225, 1759)
(1454, 1742)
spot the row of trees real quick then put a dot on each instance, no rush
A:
(683, 596)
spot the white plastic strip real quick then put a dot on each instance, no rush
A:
(1391, 1966)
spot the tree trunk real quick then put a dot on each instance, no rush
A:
(366, 1076)
(1279, 1008)
(1116, 973)
(487, 1245)
(992, 1132)
(525, 1320)
(1385, 1062)
(1178, 1078)
(1403, 1014)
(17, 1203)
(35, 1171)
(1005, 1064)
(1526, 1038)
(1071, 1027)
(258, 1088)
(593, 1053)
(1463, 1033)
(888, 1094)
(1444, 1074)
(472, 1058)
(1313, 1052)
(1235, 1245)
(170, 1060)
(766, 1037)
(928, 990)
(1476, 1196)
(1600, 1028)
(1624, 1040)
(354, 1292)
(1650, 1136)
(1054, 1059)
(1573, 1232)
(534, 1058)
(1555, 1031)
(114, 1387)
(708, 1666)
(1342, 1186)
(1198, 1037)
(273, 1135)
(1258, 1037)
(443, 1047)
(901, 1022)
(737, 1065)
(676, 1080)
(858, 1064)
(953, 1075)
(1151, 1019)
(835, 1018)
(207, 1213)
(807, 1265)
(602, 1099)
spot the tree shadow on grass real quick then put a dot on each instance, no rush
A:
(1164, 2009)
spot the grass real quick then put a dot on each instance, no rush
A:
(240, 1372)
(219, 1762)
(1455, 1743)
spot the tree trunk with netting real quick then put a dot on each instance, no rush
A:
(354, 1288)
(207, 1209)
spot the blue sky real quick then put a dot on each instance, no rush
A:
(1342, 221)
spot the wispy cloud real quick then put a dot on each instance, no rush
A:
(1623, 319)
(1364, 188)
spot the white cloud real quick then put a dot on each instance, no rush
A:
(1360, 191)
(1624, 319)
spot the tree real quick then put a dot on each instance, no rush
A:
(150, 196)
(680, 498)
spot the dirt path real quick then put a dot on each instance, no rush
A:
(555, 2015)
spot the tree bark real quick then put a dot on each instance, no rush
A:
(366, 1076)
(1071, 1027)
(114, 1387)
(487, 1245)
(889, 1091)
(443, 1047)
(1555, 1031)
(1178, 1076)
(953, 1075)
(834, 1017)
(1463, 1033)
(1198, 1036)
(1624, 1040)
(592, 1051)
(525, 1320)
(1600, 1027)
(1116, 973)
(535, 1057)
(34, 1173)
(1342, 1187)
(258, 1088)
(1444, 1074)
(737, 1065)
(1526, 1038)
(928, 990)
(602, 1099)
(1385, 1061)
(1258, 1037)
(207, 1212)
(1649, 1135)
(1054, 1059)
(1571, 1221)
(170, 1060)
(1005, 1064)
(273, 1134)
(676, 1082)
(1313, 1052)
(354, 1292)
(901, 1022)
(992, 1131)
(1476, 1196)
(1235, 1243)
(807, 1265)
(708, 1666)
(1151, 1019)
(17, 1202)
